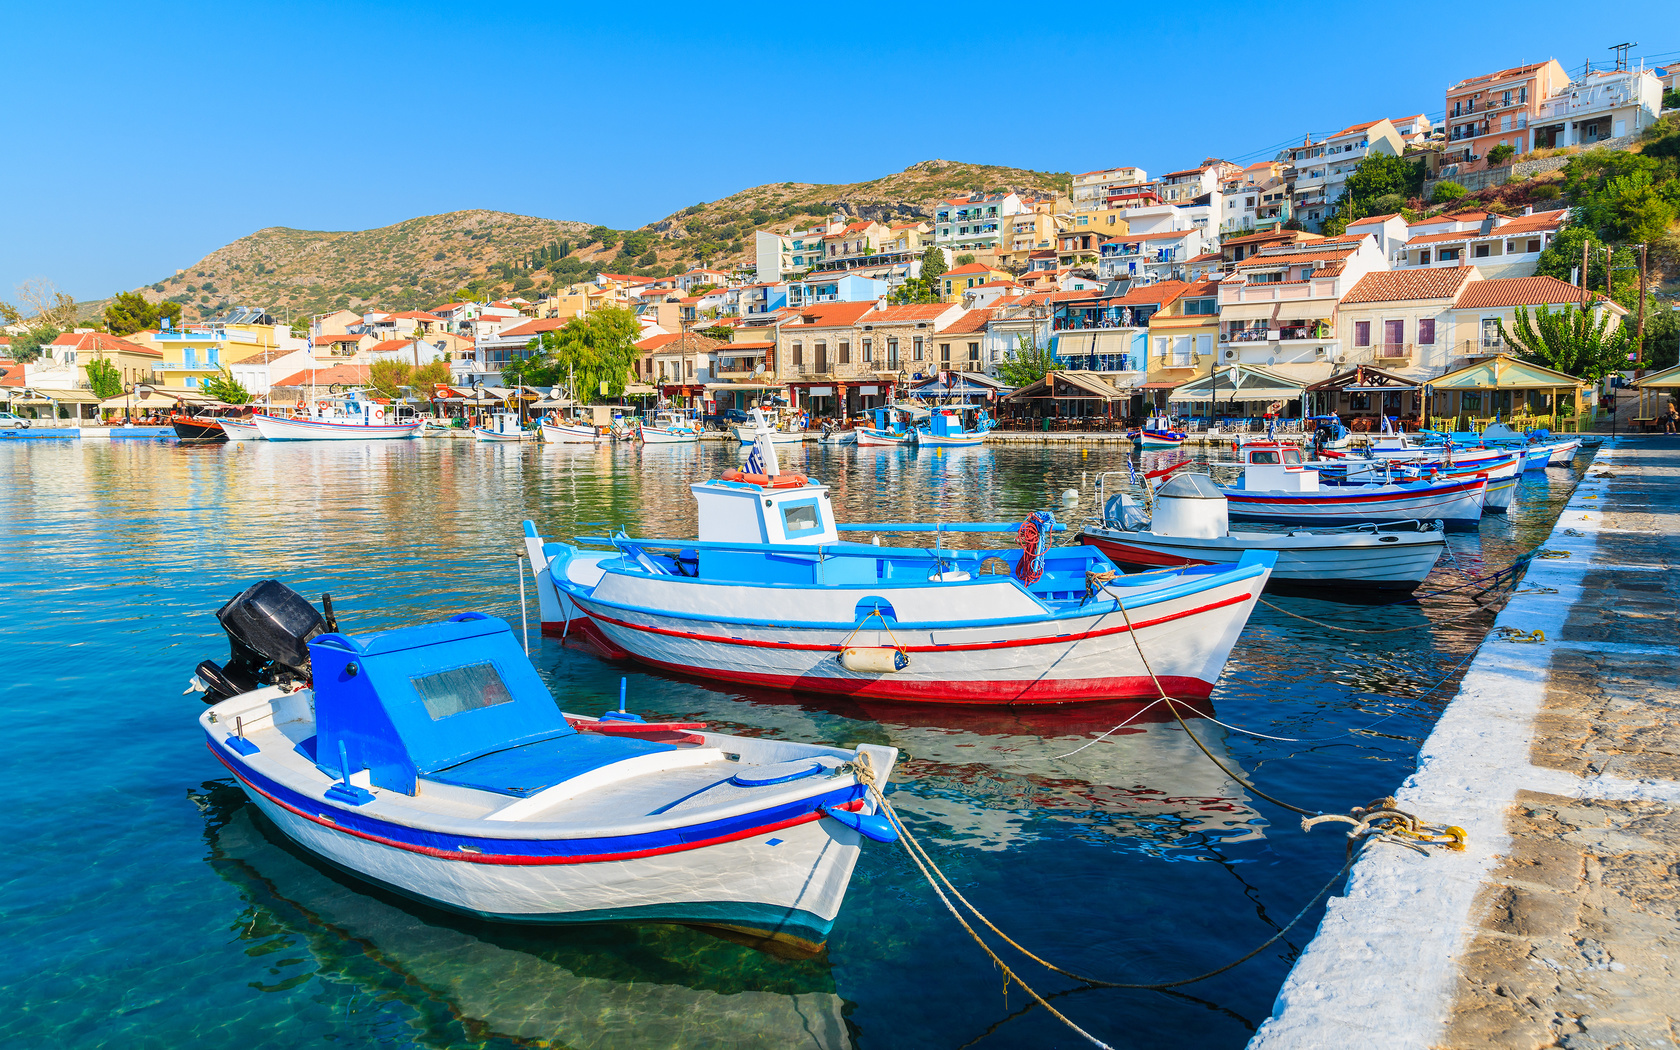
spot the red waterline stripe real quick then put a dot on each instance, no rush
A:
(1035, 692)
(972, 647)
(520, 859)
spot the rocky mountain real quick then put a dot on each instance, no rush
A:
(423, 261)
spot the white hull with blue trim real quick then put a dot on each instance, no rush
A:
(432, 761)
(273, 428)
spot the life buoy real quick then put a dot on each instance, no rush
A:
(379, 414)
(322, 405)
(767, 481)
(302, 404)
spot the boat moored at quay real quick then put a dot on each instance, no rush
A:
(338, 418)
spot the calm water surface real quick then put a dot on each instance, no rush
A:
(147, 906)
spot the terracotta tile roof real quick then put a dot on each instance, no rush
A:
(342, 337)
(970, 268)
(96, 341)
(1393, 285)
(970, 321)
(263, 357)
(344, 375)
(1287, 236)
(389, 345)
(536, 327)
(1489, 77)
(1539, 222)
(1520, 291)
(1462, 216)
(1161, 293)
(1201, 289)
(1205, 257)
(1354, 128)
(902, 314)
(14, 372)
(1373, 219)
(1288, 258)
(418, 315)
(832, 315)
(683, 342)
(1186, 171)
(1448, 237)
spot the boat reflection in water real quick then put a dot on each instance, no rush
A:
(596, 987)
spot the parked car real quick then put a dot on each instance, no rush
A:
(8, 421)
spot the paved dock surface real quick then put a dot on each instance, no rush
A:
(1559, 926)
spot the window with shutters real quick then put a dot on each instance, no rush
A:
(868, 350)
(1426, 331)
(892, 353)
(916, 349)
(845, 351)
(1361, 333)
(799, 356)
(973, 353)
(945, 355)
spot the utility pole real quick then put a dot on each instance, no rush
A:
(1621, 55)
(1639, 361)
(1585, 244)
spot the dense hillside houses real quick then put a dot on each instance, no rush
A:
(1145, 285)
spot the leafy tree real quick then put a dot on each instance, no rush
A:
(965, 258)
(933, 264)
(1562, 258)
(129, 312)
(1498, 155)
(1028, 364)
(388, 376)
(103, 378)
(27, 347)
(912, 292)
(1570, 340)
(224, 387)
(590, 350)
(718, 332)
(1671, 100)
(1388, 204)
(1448, 191)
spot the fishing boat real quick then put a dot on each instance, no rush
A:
(892, 429)
(1157, 432)
(1540, 447)
(241, 429)
(1329, 433)
(1502, 475)
(1190, 525)
(744, 433)
(198, 429)
(503, 426)
(769, 595)
(432, 760)
(669, 428)
(1277, 486)
(347, 417)
(574, 432)
(945, 427)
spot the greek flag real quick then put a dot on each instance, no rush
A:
(755, 461)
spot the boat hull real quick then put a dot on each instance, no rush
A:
(241, 430)
(481, 434)
(1387, 561)
(747, 435)
(1458, 505)
(1159, 439)
(667, 436)
(199, 431)
(839, 437)
(664, 622)
(871, 437)
(273, 428)
(950, 440)
(564, 434)
(1563, 456)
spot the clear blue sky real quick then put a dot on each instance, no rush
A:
(143, 136)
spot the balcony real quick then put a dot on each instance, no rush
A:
(1246, 335)
(1393, 351)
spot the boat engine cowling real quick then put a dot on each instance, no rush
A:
(1191, 506)
(269, 626)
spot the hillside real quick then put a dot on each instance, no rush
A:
(424, 261)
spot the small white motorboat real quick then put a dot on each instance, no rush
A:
(433, 761)
(1190, 525)
(241, 430)
(573, 433)
(769, 595)
(346, 417)
(1502, 473)
(669, 428)
(1277, 486)
(832, 435)
(504, 426)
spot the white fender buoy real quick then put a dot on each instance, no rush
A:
(874, 659)
(1070, 496)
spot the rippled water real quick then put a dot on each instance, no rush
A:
(147, 905)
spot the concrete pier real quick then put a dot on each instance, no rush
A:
(1559, 925)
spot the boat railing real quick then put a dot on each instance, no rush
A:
(620, 542)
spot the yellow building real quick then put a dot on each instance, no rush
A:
(1183, 335)
(953, 283)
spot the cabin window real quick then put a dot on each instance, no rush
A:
(800, 518)
(1262, 457)
(1292, 456)
(461, 689)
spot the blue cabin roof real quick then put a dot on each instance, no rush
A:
(456, 701)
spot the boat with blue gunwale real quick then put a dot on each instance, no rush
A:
(1277, 486)
(431, 760)
(346, 417)
(770, 595)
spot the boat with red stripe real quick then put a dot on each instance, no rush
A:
(433, 761)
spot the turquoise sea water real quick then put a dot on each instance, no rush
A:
(147, 906)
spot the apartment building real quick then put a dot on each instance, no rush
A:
(1278, 307)
(1498, 245)
(1496, 109)
(1601, 105)
(1092, 189)
(975, 223)
(1319, 171)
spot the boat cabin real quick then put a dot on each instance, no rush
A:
(455, 702)
(504, 424)
(890, 420)
(1271, 466)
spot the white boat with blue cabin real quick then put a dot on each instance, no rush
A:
(948, 427)
(769, 595)
(432, 761)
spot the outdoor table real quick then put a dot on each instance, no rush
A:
(1646, 425)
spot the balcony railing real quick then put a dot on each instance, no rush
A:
(1247, 335)
(1391, 351)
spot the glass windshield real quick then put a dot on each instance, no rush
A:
(800, 517)
(461, 689)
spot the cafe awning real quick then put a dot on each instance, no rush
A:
(1365, 379)
(1064, 385)
(1249, 311)
(1249, 384)
(1667, 379)
(1506, 373)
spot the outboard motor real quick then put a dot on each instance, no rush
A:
(268, 627)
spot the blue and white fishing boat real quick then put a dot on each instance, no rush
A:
(1541, 448)
(347, 417)
(503, 426)
(1277, 486)
(945, 427)
(1158, 432)
(770, 595)
(894, 428)
(432, 761)
(670, 427)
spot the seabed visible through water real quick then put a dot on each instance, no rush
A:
(151, 907)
